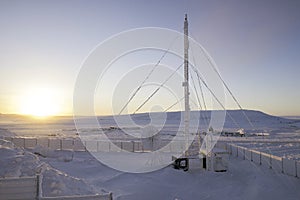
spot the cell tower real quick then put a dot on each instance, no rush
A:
(185, 83)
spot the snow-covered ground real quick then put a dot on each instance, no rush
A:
(83, 174)
(243, 181)
(69, 173)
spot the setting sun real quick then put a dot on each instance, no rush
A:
(40, 103)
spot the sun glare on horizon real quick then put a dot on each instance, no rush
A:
(40, 103)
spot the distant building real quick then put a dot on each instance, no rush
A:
(239, 133)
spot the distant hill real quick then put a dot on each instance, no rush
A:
(234, 119)
(260, 121)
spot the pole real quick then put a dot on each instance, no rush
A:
(186, 84)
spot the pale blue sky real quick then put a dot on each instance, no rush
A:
(256, 45)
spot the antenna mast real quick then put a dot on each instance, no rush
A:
(185, 84)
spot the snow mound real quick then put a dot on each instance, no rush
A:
(6, 143)
(57, 183)
(17, 162)
(5, 133)
(63, 155)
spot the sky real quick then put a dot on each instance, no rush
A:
(255, 44)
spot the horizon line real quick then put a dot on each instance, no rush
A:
(97, 115)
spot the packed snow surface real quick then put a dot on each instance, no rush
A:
(244, 180)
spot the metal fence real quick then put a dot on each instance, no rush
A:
(29, 188)
(278, 164)
(19, 188)
(75, 144)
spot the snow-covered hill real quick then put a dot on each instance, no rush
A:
(235, 119)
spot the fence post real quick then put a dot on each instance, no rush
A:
(244, 157)
(40, 177)
(38, 186)
(133, 146)
(260, 158)
(298, 169)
